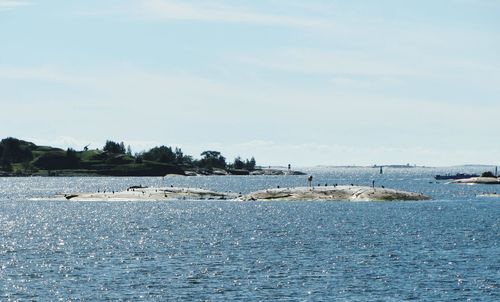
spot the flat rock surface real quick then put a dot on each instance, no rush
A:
(478, 180)
(274, 172)
(353, 193)
(151, 194)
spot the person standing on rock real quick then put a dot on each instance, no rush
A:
(309, 180)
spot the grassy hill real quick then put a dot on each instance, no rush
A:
(23, 158)
(19, 157)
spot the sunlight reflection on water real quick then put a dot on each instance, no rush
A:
(442, 249)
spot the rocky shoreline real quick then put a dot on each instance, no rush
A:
(351, 193)
(137, 193)
(332, 193)
(478, 181)
(222, 172)
(191, 173)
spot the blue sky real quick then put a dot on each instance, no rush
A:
(301, 82)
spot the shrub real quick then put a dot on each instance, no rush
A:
(488, 174)
(56, 161)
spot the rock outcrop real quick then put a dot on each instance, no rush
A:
(334, 193)
(348, 193)
(276, 172)
(151, 194)
(478, 180)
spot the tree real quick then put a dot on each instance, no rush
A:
(122, 148)
(114, 148)
(138, 158)
(6, 166)
(187, 160)
(488, 174)
(57, 160)
(129, 151)
(247, 164)
(238, 163)
(15, 151)
(250, 164)
(161, 154)
(179, 155)
(213, 159)
(70, 153)
(72, 159)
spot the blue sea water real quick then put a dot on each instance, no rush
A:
(445, 249)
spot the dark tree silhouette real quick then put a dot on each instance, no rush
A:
(487, 174)
(161, 154)
(213, 159)
(15, 151)
(238, 163)
(114, 148)
(250, 164)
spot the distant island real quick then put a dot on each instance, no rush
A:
(486, 178)
(23, 158)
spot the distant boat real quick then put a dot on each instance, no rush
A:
(456, 176)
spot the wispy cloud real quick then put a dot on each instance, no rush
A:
(12, 4)
(129, 84)
(40, 73)
(313, 61)
(206, 11)
(335, 128)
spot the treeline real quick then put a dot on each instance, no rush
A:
(24, 157)
(14, 151)
(165, 154)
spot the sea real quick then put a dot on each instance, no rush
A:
(444, 249)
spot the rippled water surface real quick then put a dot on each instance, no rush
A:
(443, 249)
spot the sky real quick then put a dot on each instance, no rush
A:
(303, 82)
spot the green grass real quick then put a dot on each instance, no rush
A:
(47, 159)
(88, 155)
(46, 149)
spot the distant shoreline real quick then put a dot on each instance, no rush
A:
(75, 173)
(23, 158)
